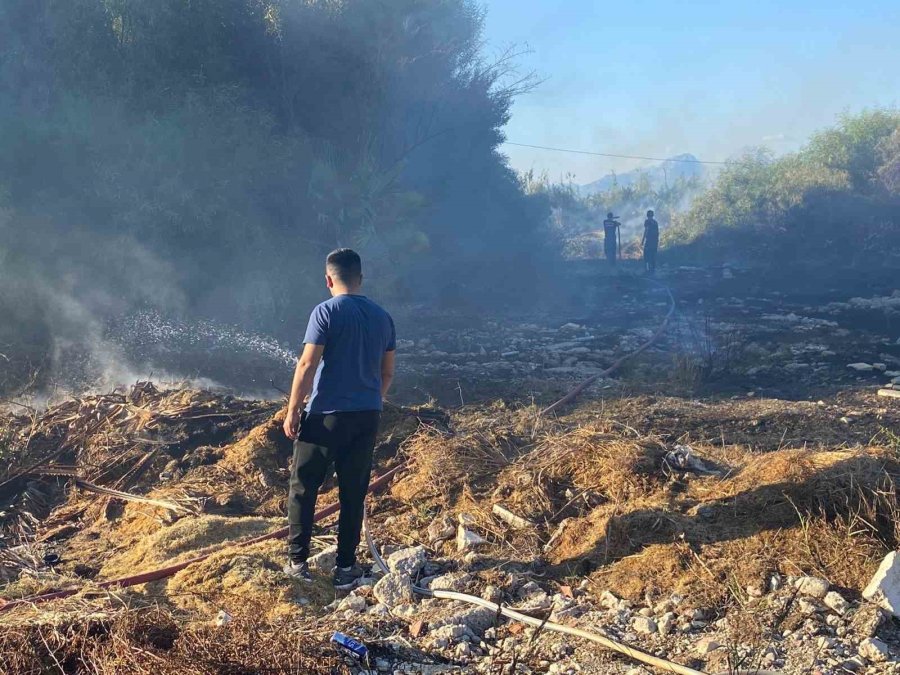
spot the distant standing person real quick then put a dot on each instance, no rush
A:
(344, 371)
(650, 242)
(611, 237)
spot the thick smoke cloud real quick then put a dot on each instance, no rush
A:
(198, 159)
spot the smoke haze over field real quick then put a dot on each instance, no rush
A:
(199, 159)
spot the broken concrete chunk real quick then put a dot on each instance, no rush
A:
(884, 588)
(815, 587)
(407, 561)
(644, 625)
(507, 516)
(835, 602)
(393, 589)
(666, 623)
(466, 540)
(352, 603)
(874, 650)
(454, 581)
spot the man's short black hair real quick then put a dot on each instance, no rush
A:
(345, 265)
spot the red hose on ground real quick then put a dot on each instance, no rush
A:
(163, 572)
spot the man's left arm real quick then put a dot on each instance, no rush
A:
(301, 387)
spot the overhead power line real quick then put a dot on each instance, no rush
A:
(609, 154)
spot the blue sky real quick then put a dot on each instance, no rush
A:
(650, 77)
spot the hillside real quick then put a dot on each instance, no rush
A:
(684, 166)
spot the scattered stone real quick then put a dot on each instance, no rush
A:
(884, 588)
(394, 589)
(441, 529)
(510, 518)
(666, 623)
(706, 646)
(874, 650)
(815, 587)
(407, 561)
(836, 602)
(466, 520)
(853, 664)
(454, 581)
(645, 625)
(324, 560)
(466, 540)
(223, 618)
(866, 620)
(861, 367)
(352, 603)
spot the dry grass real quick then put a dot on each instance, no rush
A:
(602, 500)
(155, 640)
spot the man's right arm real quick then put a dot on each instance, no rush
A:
(387, 372)
(301, 387)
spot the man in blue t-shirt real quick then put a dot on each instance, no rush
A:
(344, 372)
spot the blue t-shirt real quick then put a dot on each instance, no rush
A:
(356, 333)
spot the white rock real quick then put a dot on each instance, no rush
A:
(450, 633)
(466, 540)
(666, 623)
(393, 589)
(441, 529)
(815, 587)
(873, 650)
(835, 601)
(223, 618)
(884, 588)
(644, 624)
(353, 603)
(466, 520)
(454, 581)
(407, 561)
(706, 646)
(861, 367)
(324, 560)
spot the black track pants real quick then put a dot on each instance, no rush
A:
(651, 246)
(347, 440)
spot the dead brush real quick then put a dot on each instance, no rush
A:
(483, 443)
(592, 463)
(156, 640)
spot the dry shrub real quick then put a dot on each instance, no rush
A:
(227, 578)
(590, 461)
(154, 640)
(482, 443)
(832, 514)
(184, 539)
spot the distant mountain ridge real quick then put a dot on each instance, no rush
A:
(679, 166)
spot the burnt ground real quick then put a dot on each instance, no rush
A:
(787, 335)
(753, 378)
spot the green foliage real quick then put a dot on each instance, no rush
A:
(824, 203)
(851, 146)
(889, 171)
